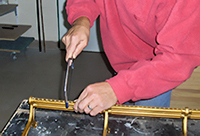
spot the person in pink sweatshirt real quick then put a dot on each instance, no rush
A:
(153, 45)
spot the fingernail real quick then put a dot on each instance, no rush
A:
(75, 110)
(74, 55)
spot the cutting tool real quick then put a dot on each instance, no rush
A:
(70, 65)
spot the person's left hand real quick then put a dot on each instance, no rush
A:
(95, 98)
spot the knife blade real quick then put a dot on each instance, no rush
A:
(70, 65)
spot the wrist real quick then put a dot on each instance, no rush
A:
(84, 21)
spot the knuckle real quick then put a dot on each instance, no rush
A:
(89, 88)
(96, 97)
(67, 37)
(84, 44)
(101, 105)
(63, 39)
(74, 37)
(67, 48)
(80, 107)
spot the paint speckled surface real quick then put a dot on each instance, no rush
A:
(63, 123)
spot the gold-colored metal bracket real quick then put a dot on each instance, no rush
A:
(31, 121)
(105, 128)
(117, 110)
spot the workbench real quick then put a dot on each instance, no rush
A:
(68, 123)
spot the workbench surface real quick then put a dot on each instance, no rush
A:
(65, 123)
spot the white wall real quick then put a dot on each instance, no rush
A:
(27, 15)
(94, 42)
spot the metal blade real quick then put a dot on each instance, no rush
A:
(69, 66)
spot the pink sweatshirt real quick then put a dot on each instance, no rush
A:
(154, 45)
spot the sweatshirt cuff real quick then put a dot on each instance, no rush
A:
(72, 19)
(123, 92)
(75, 15)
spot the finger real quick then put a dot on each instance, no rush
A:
(76, 105)
(66, 41)
(90, 106)
(85, 99)
(88, 109)
(63, 39)
(96, 107)
(66, 38)
(79, 48)
(88, 97)
(83, 105)
(70, 50)
(96, 110)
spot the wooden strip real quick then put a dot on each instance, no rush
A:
(193, 82)
(185, 98)
(7, 50)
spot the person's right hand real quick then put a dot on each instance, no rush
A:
(76, 39)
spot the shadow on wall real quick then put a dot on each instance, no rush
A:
(99, 35)
(64, 15)
(65, 24)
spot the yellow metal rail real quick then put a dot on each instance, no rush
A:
(117, 110)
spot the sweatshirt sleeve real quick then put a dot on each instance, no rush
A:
(176, 56)
(78, 8)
